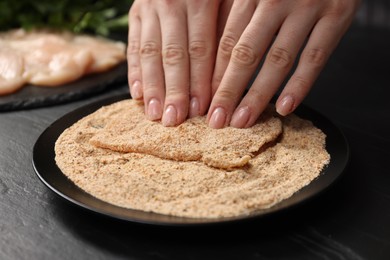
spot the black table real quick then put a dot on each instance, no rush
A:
(349, 221)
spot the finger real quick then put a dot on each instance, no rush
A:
(276, 67)
(151, 65)
(133, 60)
(323, 40)
(176, 64)
(202, 27)
(237, 21)
(244, 60)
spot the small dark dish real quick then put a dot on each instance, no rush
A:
(30, 96)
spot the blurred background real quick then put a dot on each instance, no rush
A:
(374, 13)
(102, 17)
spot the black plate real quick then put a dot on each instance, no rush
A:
(34, 96)
(47, 170)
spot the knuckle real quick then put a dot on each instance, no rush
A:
(340, 7)
(198, 50)
(177, 93)
(280, 57)
(227, 44)
(198, 4)
(133, 63)
(149, 49)
(300, 84)
(170, 3)
(244, 55)
(272, 3)
(134, 9)
(226, 94)
(173, 54)
(310, 4)
(316, 57)
(134, 74)
(258, 95)
(150, 88)
(133, 47)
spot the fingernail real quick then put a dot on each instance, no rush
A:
(194, 107)
(169, 117)
(240, 117)
(136, 90)
(218, 118)
(286, 106)
(154, 109)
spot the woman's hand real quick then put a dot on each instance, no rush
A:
(316, 26)
(171, 55)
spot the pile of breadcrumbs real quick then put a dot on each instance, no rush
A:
(191, 170)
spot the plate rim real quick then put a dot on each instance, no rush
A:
(307, 193)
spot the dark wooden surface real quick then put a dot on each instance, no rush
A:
(349, 221)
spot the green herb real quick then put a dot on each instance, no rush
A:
(93, 16)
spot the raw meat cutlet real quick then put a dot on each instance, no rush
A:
(193, 140)
(50, 58)
(11, 71)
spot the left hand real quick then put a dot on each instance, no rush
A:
(171, 54)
